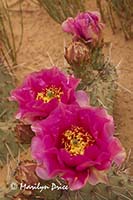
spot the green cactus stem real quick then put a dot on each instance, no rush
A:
(8, 143)
(120, 186)
(98, 76)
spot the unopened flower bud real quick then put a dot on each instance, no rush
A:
(77, 53)
(24, 133)
(25, 173)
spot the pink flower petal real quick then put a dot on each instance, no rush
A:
(76, 180)
(96, 176)
(68, 26)
(86, 26)
(55, 156)
(32, 108)
(118, 153)
(42, 173)
(82, 98)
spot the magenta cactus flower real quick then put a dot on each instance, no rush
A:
(41, 92)
(86, 26)
(77, 144)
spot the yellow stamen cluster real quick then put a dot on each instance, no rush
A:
(76, 139)
(49, 93)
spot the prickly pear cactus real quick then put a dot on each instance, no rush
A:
(11, 134)
(120, 186)
(98, 77)
(7, 109)
(7, 83)
(8, 144)
(103, 87)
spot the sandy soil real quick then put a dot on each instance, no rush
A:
(43, 45)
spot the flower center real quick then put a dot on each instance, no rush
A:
(76, 139)
(49, 93)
